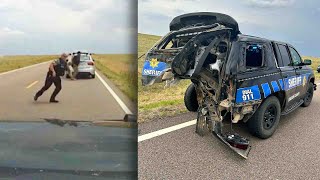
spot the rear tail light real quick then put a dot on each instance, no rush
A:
(90, 63)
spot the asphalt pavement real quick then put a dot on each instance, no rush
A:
(80, 100)
(169, 148)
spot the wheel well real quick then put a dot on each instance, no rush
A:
(312, 80)
(281, 97)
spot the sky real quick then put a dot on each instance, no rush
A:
(292, 21)
(55, 26)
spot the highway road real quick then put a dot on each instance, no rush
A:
(170, 149)
(81, 100)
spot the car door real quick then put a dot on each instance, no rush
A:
(301, 71)
(289, 75)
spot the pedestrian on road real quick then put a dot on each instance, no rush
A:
(56, 69)
(75, 63)
(70, 69)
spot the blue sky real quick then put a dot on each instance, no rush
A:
(292, 21)
(52, 27)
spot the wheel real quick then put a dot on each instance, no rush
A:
(190, 98)
(308, 98)
(265, 120)
(67, 76)
(93, 76)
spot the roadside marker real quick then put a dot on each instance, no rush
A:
(115, 96)
(166, 130)
(35, 82)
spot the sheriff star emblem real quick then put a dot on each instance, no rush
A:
(304, 81)
(154, 63)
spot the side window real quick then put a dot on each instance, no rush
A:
(295, 57)
(254, 56)
(284, 55)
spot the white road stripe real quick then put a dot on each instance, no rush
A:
(115, 96)
(27, 67)
(35, 82)
(166, 130)
(318, 84)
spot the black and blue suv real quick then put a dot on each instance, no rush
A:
(234, 77)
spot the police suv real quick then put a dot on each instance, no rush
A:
(234, 76)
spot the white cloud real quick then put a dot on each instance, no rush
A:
(270, 3)
(79, 22)
(149, 12)
(5, 31)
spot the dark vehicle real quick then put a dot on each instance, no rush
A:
(59, 149)
(318, 69)
(234, 77)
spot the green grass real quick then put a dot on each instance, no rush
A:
(314, 65)
(8, 63)
(121, 70)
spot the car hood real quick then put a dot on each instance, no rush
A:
(66, 149)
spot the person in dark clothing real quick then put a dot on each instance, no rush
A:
(56, 69)
(75, 63)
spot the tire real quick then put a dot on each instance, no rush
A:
(93, 76)
(308, 98)
(269, 109)
(190, 98)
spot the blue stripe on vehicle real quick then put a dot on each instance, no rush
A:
(281, 84)
(266, 89)
(275, 86)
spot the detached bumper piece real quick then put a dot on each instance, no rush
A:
(237, 143)
(234, 141)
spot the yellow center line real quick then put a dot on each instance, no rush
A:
(35, 82)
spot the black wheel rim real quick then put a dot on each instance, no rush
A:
(270, 116)
(309, 95)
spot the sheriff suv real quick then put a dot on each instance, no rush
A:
(234, 76)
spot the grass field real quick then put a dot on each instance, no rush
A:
(8, 63)
(155, 101)
(121, 70)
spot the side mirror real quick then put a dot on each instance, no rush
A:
(307, 62)
(93, 60)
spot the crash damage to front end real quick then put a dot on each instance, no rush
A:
(199, 48)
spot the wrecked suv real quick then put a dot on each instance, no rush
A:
(234, 77)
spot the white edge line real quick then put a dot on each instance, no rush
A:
(115, 96)
(166, 130)
(30, 85)
(27, 67)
